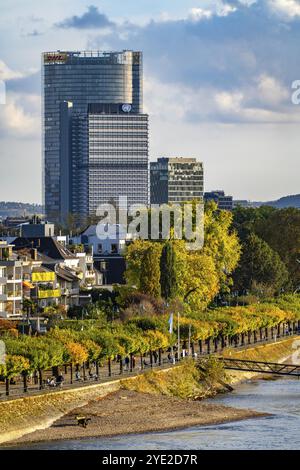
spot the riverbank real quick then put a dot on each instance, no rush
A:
(51, 416)
(130, 412)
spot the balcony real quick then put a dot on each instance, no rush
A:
(49, 293)
(43, 277)
(14, 295)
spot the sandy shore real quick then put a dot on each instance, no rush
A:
(127, 412)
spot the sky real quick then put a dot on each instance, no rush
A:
(217, 84)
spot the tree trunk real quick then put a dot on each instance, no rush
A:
(208, 345)
(7, 387)
(83, 371)
(71, 373)
(25, 388)
(40, 379)
(131, 362)
(121, 366)
(109, 367)
(159, 357)
(151, 359)
(200, 346)
(142, 364)
(97, 370)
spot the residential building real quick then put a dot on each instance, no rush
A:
(11, 287)
(61, 273)
(223, 201)
(108, 253)
(95, 133)
(176, 180)
(37, 228)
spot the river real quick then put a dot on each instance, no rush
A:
(280, 397)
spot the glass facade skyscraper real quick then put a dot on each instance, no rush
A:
(176, 180)
(95, 135)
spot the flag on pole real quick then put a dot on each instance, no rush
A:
(171, 323)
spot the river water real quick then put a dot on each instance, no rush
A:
(280, 397)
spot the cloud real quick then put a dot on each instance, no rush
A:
(8, 74)
(34, 33)
(92, 19)
(290, 9)
(20, 117)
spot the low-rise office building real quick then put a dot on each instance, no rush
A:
(223, 201)
(176, 180)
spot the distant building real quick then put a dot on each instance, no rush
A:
(223, 201)
(242, 203)
(37, 228)
(176, 180)
(14, 222)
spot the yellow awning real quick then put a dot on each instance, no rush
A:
(28, 285)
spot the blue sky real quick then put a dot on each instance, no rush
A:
(218, 78)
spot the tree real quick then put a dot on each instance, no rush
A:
(14, 365)
(282, 233)
(150, 271)
(260, 266)
(168, 271)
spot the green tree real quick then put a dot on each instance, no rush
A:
(282, 233)
(260, 266)
(168, 271)
(150, 271)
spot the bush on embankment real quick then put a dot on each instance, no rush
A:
(185, 381)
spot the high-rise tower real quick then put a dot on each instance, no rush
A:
(95, 135)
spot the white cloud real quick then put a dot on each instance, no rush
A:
(229, 102)
(198, 14)
(271, 91)
(17, 122)
(288, 8)
(265, 100)
(6, 73)
(218, 8)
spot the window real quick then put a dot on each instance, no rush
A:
(100, 249)
(114, 248)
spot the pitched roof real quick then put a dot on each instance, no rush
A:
(47, 246)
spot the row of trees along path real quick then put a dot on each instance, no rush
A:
(91, 373)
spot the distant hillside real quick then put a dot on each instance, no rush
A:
(287, 201)
(18, 209)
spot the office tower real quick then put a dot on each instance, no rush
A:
(224, 202)
(95, 135)
(176, 180)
